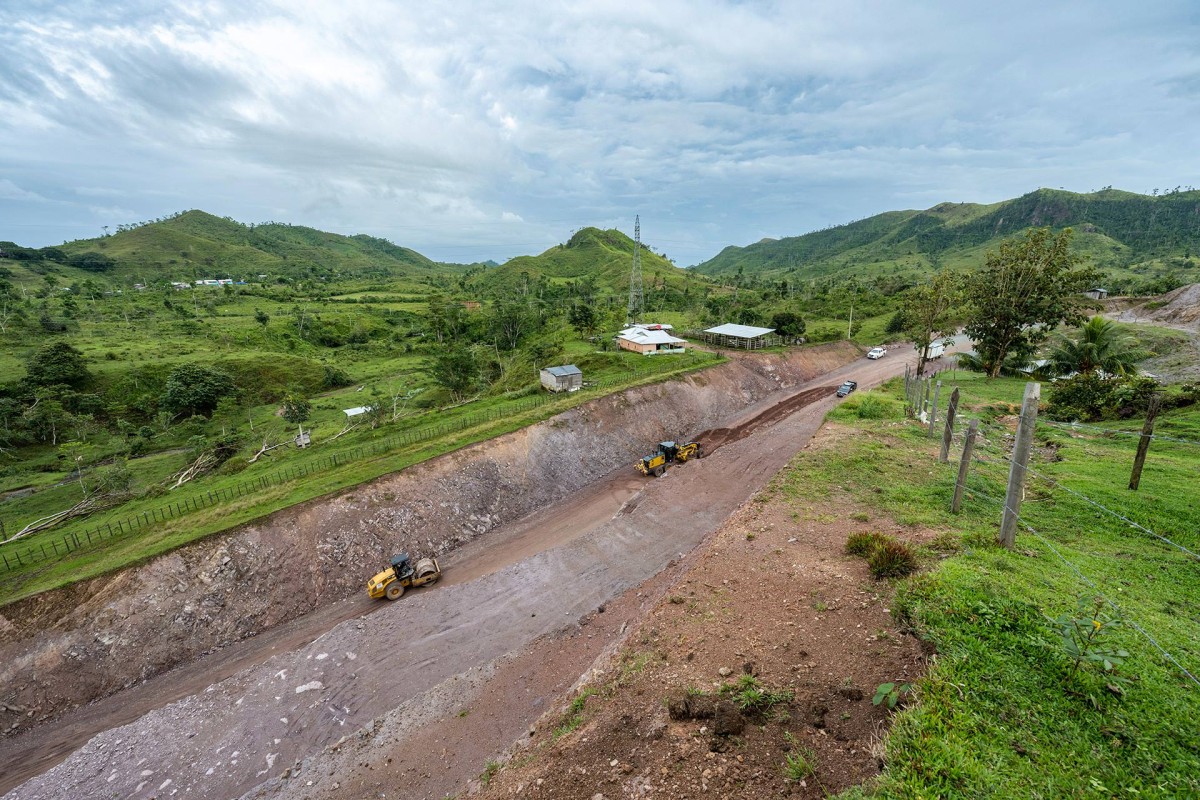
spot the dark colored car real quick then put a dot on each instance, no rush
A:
(846, 388)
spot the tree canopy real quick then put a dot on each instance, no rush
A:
(928, 312)
(1027, 288)
(196, 389)
(1100, 346)
(55, 364)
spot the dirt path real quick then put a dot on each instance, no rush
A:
(228, 732)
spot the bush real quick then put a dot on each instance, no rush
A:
(861, 544)
(872, 406)
(892, 559)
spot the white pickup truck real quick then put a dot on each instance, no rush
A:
(877, 352)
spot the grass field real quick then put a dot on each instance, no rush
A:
(1002, 713)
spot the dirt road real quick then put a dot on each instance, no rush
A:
(224, 725)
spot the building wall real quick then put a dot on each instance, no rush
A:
(637, 347)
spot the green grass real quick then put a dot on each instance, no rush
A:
(574, 716)
(999, 714)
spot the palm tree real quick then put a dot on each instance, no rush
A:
(1100, 347)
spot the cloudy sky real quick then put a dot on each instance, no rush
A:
(474, 130)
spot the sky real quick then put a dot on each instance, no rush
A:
(485, 130)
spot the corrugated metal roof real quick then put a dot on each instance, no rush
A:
(642, 336)
(740, 331)
(564, 371)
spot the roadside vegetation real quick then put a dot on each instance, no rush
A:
(1050, 678)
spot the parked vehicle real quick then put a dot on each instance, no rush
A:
(877, 352)
(846, 388)
(935, 349)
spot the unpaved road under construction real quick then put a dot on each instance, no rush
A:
(225, 723)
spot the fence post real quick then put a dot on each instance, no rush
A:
(937, 393)
(1020, 461)
(964, 464)
(1139, 459)
(948, 433)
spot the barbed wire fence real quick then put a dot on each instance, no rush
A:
(916, 399)
(16, 556)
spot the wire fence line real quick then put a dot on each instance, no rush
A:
(1055, 482)
(1093, 585)
(1076, 426)
(1070, 565)
(17, 556)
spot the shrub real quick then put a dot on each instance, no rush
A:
(871, 406)
(892, 559)
(861, 544)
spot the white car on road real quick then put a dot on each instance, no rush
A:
(877, 352)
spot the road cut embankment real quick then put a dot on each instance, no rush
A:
(71, 646)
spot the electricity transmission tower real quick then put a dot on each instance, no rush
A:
(634, 312)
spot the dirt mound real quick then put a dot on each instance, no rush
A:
(1179, 308)
(69, 647)
(716, 438)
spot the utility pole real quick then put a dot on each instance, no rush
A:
(634, 311)
(1139, 459)
(1020, 462)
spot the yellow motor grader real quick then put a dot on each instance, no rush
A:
(668, 453)
(401, 575)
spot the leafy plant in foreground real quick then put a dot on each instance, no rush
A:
(891, 693)
(1084, 638)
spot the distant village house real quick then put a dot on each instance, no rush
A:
(650, 339)
(1096, 293)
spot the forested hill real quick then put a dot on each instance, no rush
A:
(1128, 235)
(193, 245)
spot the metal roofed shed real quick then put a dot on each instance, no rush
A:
(567, 378)
(746, 337)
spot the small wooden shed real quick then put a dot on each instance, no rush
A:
(567, 378)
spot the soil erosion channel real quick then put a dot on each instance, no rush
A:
(520, 582)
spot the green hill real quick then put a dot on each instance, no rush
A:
(603, 258)
(194, 244)
(1128, 235)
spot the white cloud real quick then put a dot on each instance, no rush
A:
(504, 125)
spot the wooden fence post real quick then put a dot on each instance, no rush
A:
(948, 433)
(1139, 459)
(937, 393)
(1020, 461)
(963, 465)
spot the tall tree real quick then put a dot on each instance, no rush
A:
(1025, 290)
(1100, 346)
(196, 389)
(57, 363)
(928, 312)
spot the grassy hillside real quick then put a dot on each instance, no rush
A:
(194, 245)
(601, 258)
(1132, 237)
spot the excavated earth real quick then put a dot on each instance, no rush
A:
(264, 649)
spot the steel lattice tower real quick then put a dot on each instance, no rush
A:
(634, 312)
